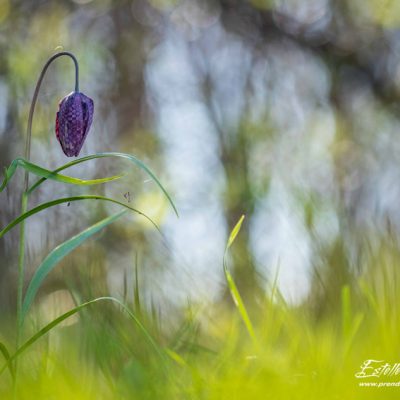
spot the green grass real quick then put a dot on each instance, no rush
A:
(116, 350)
(26, 297)
(284, 352)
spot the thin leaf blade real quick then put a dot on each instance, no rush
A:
(75, 310)
(237, 299)
(6, 355)
(47, 174)
(53, 203)
(57, 255)
(235, 232)
(125, 156)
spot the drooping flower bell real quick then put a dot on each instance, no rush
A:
(73, 120)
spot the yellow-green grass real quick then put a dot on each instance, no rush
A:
(297, 353)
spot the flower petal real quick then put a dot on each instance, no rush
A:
(73, 122)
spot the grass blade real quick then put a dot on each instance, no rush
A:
(73, 311)
(49, 204)
(125, 156)
(47, 174)
(239, 303)
(235, 232)
(57, 255)
(232, 285)
(6, 354)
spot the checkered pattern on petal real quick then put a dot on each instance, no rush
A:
(73, 121)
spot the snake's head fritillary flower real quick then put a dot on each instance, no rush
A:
(73, 121)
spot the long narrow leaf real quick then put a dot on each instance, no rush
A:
(75, 310)
(239, 303)
(235, 232)
(128, 157)
(47, 174)
(232, 285)
(57, 255)
(49, 204)
(6, 354)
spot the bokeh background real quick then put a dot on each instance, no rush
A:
(286, 111)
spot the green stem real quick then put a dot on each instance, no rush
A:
(21, 274)
(25, 194)
(34, 100)
(21, 266)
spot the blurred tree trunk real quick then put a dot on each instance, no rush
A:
(239, 200)
(127, 94)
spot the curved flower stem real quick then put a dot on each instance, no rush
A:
(25, 194)
(34, 100)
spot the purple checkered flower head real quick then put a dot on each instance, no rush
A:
(73, 120)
